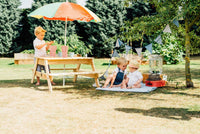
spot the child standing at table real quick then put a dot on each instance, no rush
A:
(40, 49)
(134, 78)
(118, 75)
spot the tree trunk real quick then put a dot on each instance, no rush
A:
(189, 82)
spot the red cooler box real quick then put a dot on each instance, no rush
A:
(159, 83)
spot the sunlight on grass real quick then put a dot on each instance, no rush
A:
(194, 108)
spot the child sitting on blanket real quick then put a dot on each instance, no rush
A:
(118, 75)
(134, 78)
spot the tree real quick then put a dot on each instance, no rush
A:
(133, 37)
(9, 18)
(167, 11)
(191, 14)
(112, 13)
(138, 9)
(25, 37)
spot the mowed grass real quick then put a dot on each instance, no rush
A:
(79, 108)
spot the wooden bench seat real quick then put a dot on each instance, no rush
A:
(62, 68)
(94, 75)
(89, 74)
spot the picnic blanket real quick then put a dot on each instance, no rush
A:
(143, 89)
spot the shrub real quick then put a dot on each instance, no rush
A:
(75, 45)
(171, 49)
(30, 51)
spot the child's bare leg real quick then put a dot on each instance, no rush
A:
(117, 85)
(53, 83)
(38, 81)
(123, 85)
(109, 78)
(51, 79)
(136, 86)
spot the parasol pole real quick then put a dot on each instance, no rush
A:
(65, 31)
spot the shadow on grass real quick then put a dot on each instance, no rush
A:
(179, 74)
(84, 87)
(162, 112)
(12, 63)
(106, 64)
(173, 91)
(26, 83)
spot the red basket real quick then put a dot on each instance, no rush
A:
(159, 83)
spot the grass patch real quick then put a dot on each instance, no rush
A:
(194, 108)
(175, 73)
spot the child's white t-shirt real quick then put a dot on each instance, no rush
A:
(39, 52)
(134, 77)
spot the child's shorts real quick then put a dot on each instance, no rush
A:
(41, 67)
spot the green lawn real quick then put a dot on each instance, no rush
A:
(175, 73)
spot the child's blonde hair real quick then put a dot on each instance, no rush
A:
(134, 63)
(38, 30)
(121, 61)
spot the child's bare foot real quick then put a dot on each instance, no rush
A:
(37, 84)
(104, 86)
(130, 87)
(53, 83)
(123, 87)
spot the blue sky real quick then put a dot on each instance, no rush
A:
(27, 3)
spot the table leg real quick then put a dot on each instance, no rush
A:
(96, 79)
(97, 82)
(64, 77)
(92, 65)
(77, 69)
(34, 70)
(47, 74)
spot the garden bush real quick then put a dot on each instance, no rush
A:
(171, 49)
(30, 51)
(75, 45)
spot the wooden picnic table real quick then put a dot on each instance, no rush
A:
(62, 60)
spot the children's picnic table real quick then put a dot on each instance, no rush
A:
(68, 60)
